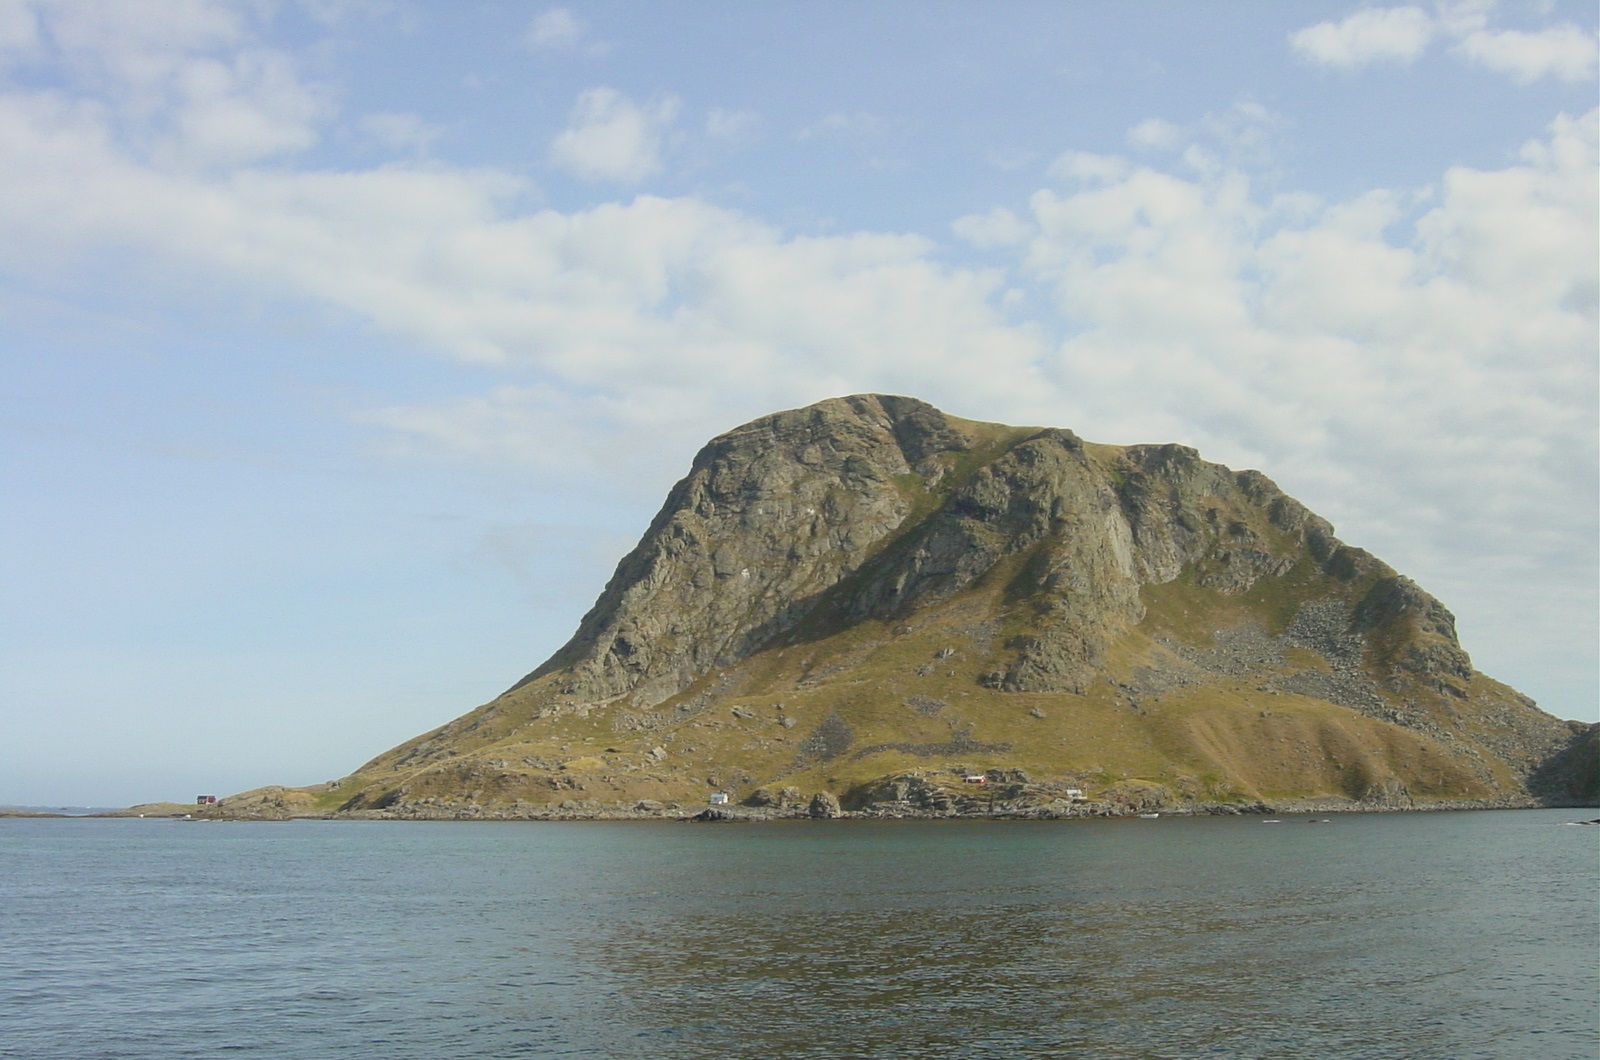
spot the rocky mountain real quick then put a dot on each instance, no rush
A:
(868, 603)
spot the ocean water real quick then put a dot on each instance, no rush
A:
(1407, 935)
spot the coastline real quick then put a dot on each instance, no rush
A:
(703, 812)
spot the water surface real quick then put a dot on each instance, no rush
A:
(1395, 935)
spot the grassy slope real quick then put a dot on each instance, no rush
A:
(1221, 740)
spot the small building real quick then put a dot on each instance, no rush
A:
(205, 800)
(1076, 794)
(719, 798)
(975, 778)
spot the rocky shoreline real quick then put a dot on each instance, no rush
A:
(828, 809)
(998, 794)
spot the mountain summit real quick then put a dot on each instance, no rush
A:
(868, 602)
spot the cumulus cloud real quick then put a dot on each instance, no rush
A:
(142, 41)
(1243, 134)
(1371, 35)
(997, 228)
(1429, 380)
(183, 84)
(241, 112)
(1155, 134)
(654, 314)
(1564, 52)
(556, 28)
(1088, 167)
(1402, 34)
(611, 138)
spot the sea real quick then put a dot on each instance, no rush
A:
(1471, 934)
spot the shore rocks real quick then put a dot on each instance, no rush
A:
(824, 805)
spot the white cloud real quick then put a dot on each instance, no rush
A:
(1245, 127)
(613, 139)
(1430, 382)
(997, 228)
(628, 312)
(1402, 34)
(1374, 34)
(1156, 135)
(556, 28)
(1088, 168)
(1564, 52)
(1242, 134)
(185, 84)
(237, 113)
(141, 31)
(1457, 18)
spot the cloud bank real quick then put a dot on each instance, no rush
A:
(1401, 35)
(1418, 363)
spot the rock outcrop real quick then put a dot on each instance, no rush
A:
(869, 589)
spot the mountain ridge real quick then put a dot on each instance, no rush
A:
(864, 602)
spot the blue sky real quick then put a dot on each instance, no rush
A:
(345, 346)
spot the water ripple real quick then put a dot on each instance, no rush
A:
(1460, 935)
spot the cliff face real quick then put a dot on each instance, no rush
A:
(867, 598)
(771, 515)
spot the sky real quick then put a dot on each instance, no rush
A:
(346, 345)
